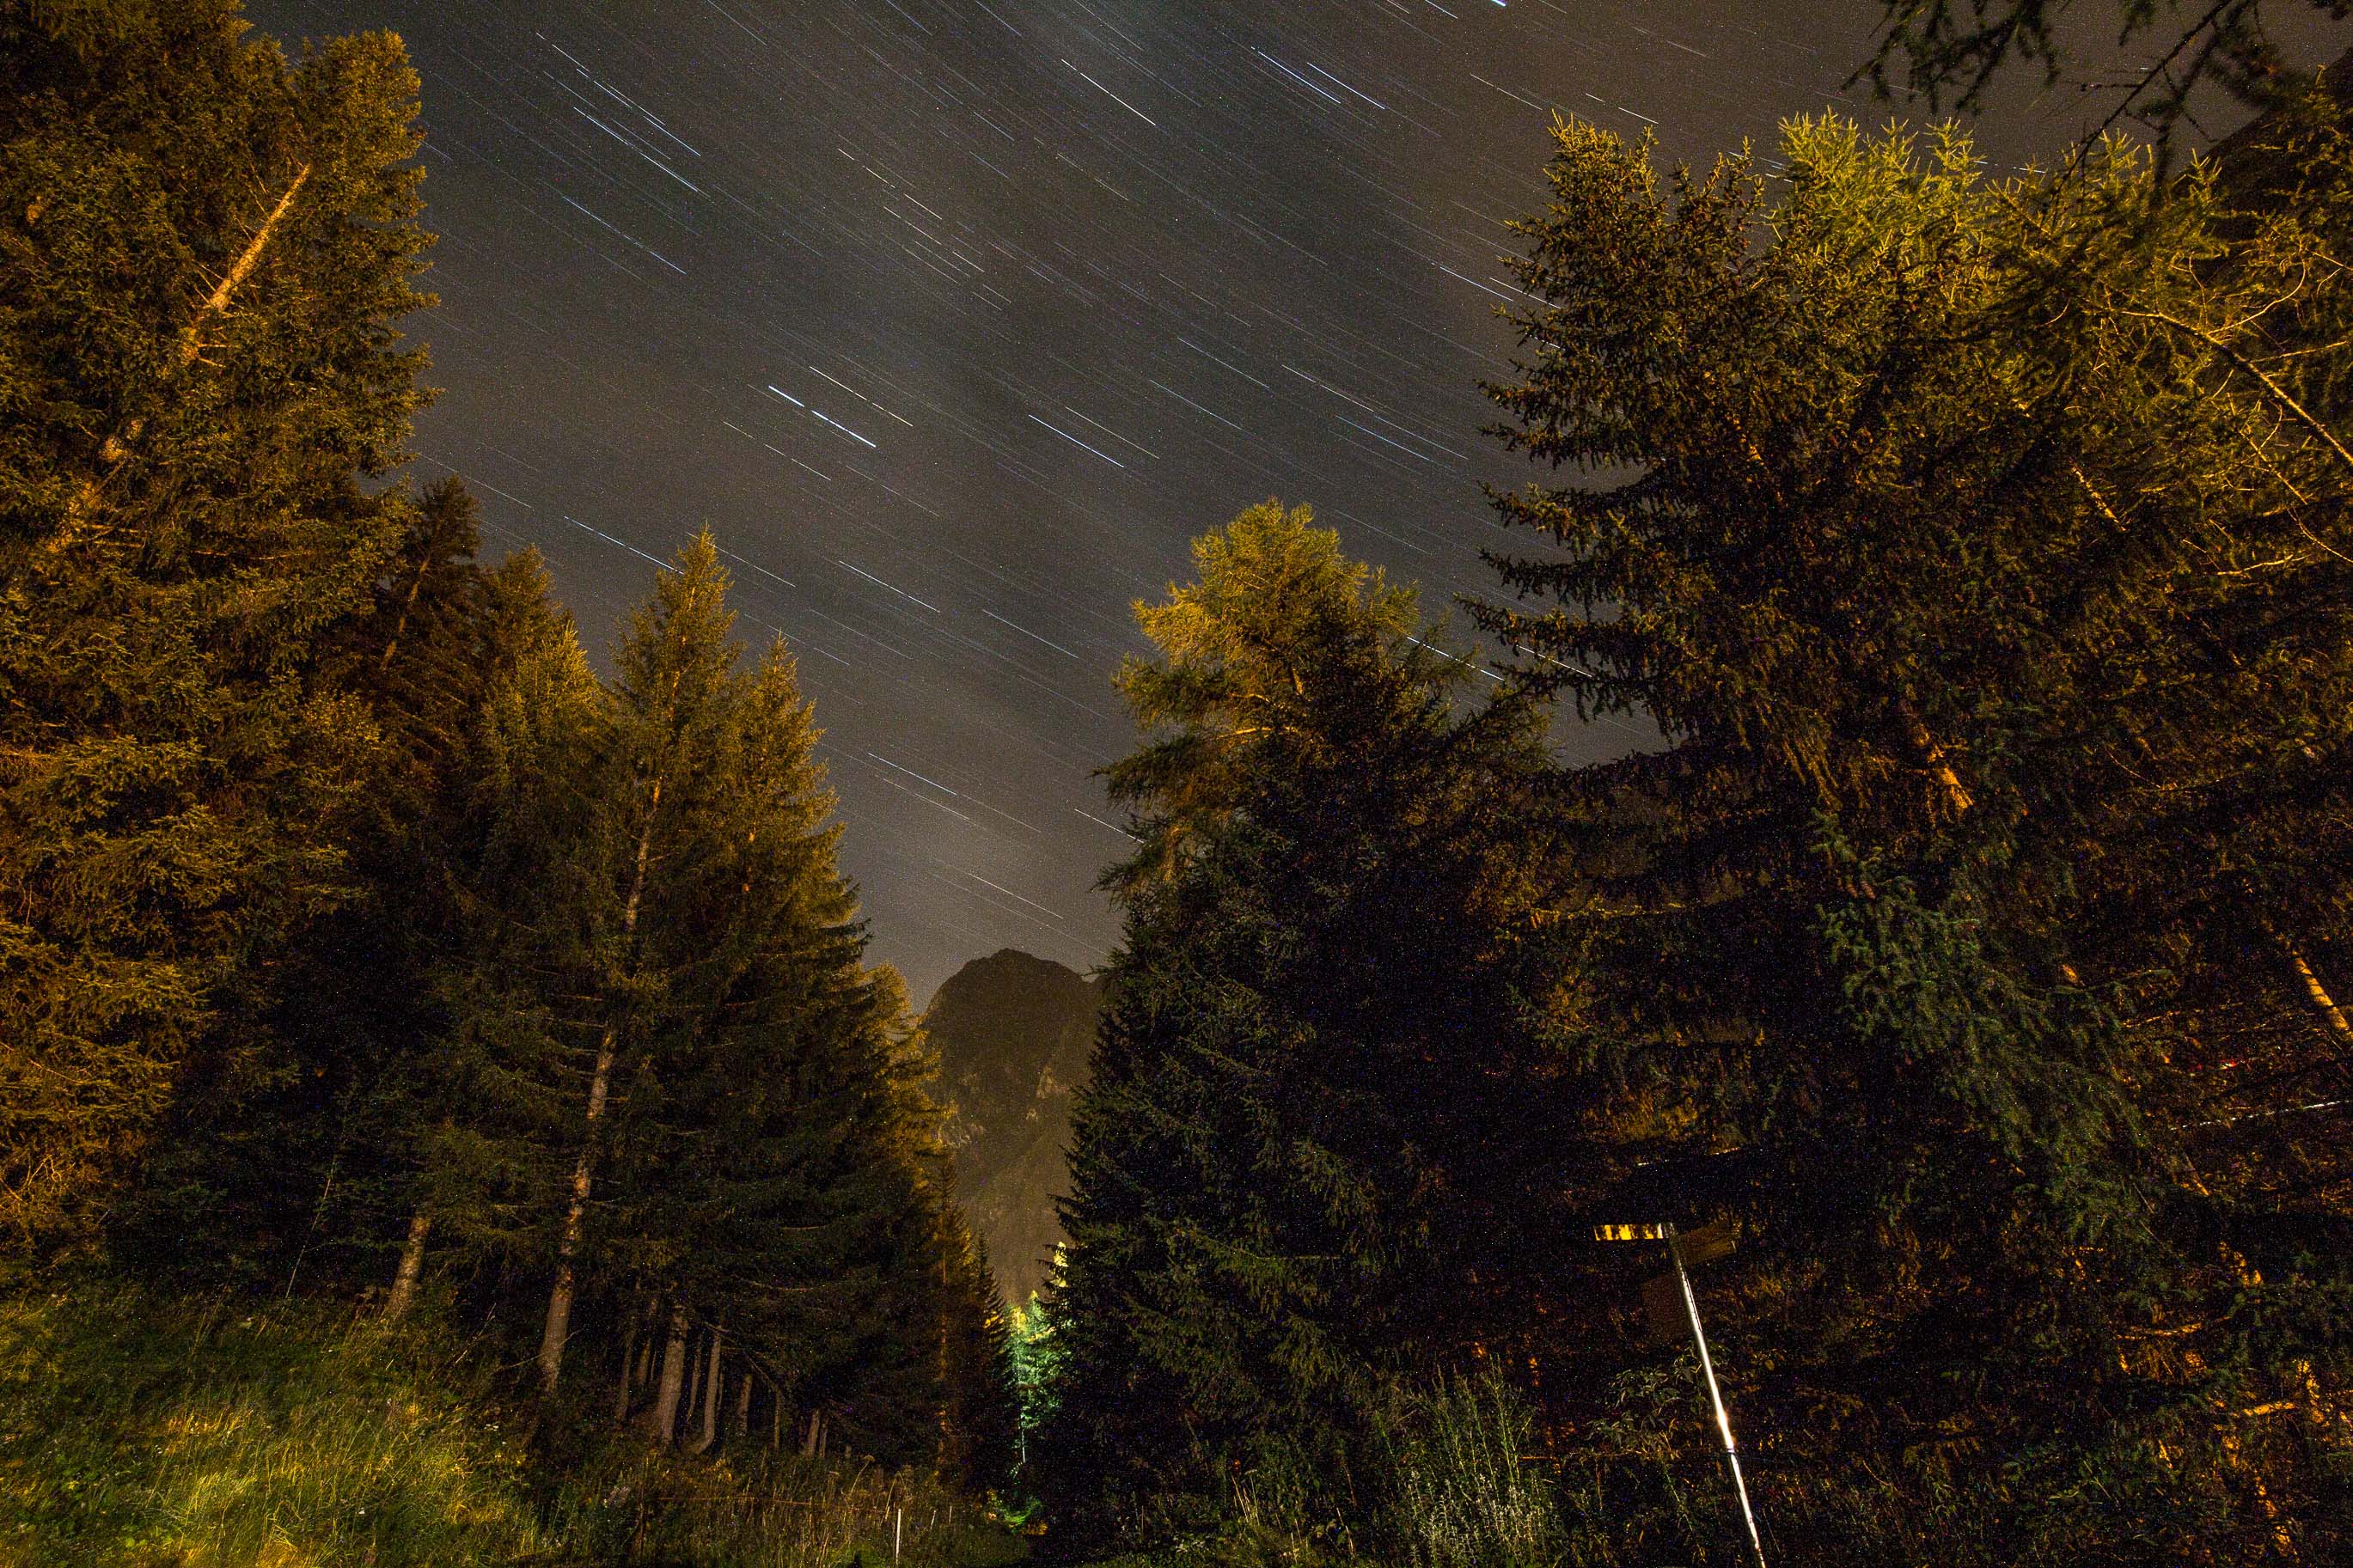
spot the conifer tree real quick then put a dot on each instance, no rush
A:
(489, 1106)
(758, 1182)
(673, 1098)
(202, 251)
(1300, 1166)
(876, 1288)
(1034, 1364)
(292, 1151)
(447, 639)
(670, 740)
(1980, 549)
(982, 1416)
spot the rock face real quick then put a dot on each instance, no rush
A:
(1013, 1033)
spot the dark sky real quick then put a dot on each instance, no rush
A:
(955, 321)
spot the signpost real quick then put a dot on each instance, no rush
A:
(1692, 1247)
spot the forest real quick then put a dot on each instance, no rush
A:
(448, 1113)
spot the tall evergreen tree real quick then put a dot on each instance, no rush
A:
(491, 1095)
(663, 851)
(1981, 549)
(358, 1017)
(202, 251)
(884, 1317)
(292, 1153)
(1301, 1166)
(982, 1401)
(672, 1100)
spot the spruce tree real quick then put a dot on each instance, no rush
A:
(487, 1109)
(671, 1100)
(447, 637)
(1979, 550)
(293, 1154)
(1302, 1166)
(870, 1289)
(202, 251)
(982, 1403)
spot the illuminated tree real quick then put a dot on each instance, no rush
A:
(1981, 551)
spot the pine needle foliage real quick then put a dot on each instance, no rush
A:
(1981, 549)
(1299, 1163)
(203, 249)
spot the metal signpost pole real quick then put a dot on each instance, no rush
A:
(1716, 1398)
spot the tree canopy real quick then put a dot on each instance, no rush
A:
(1980, 548)
(197, 372)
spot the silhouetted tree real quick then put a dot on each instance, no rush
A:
(1303, 1165)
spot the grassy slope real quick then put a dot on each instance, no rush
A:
(147, 1432)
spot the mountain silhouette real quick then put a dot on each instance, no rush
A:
(1013, 1034)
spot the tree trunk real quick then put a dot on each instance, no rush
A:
(117, 446)
(408, 608)
(744, 1406)
(192, 335)
(2322, 1001)
(810, 1440)
(568, 1247)
(628, 1366)
(412, 1266)
(661, 1416)
(710, 1397)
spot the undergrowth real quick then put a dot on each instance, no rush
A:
(154, 1432)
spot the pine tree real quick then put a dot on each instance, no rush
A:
(293, 1154)
(1979, 551)
(982, 1416)
(448, 637)
(742, 1151)
(673, 1099)
(878, 1314)
(201, 253)
(487, 1111)
(1300, 1167)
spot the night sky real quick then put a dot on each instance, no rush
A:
(955, 321)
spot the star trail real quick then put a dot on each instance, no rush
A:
(955, 321)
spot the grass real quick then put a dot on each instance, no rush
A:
(1448, 1486)
(151, 1432)
(771, 1510)
(1465, 1500)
